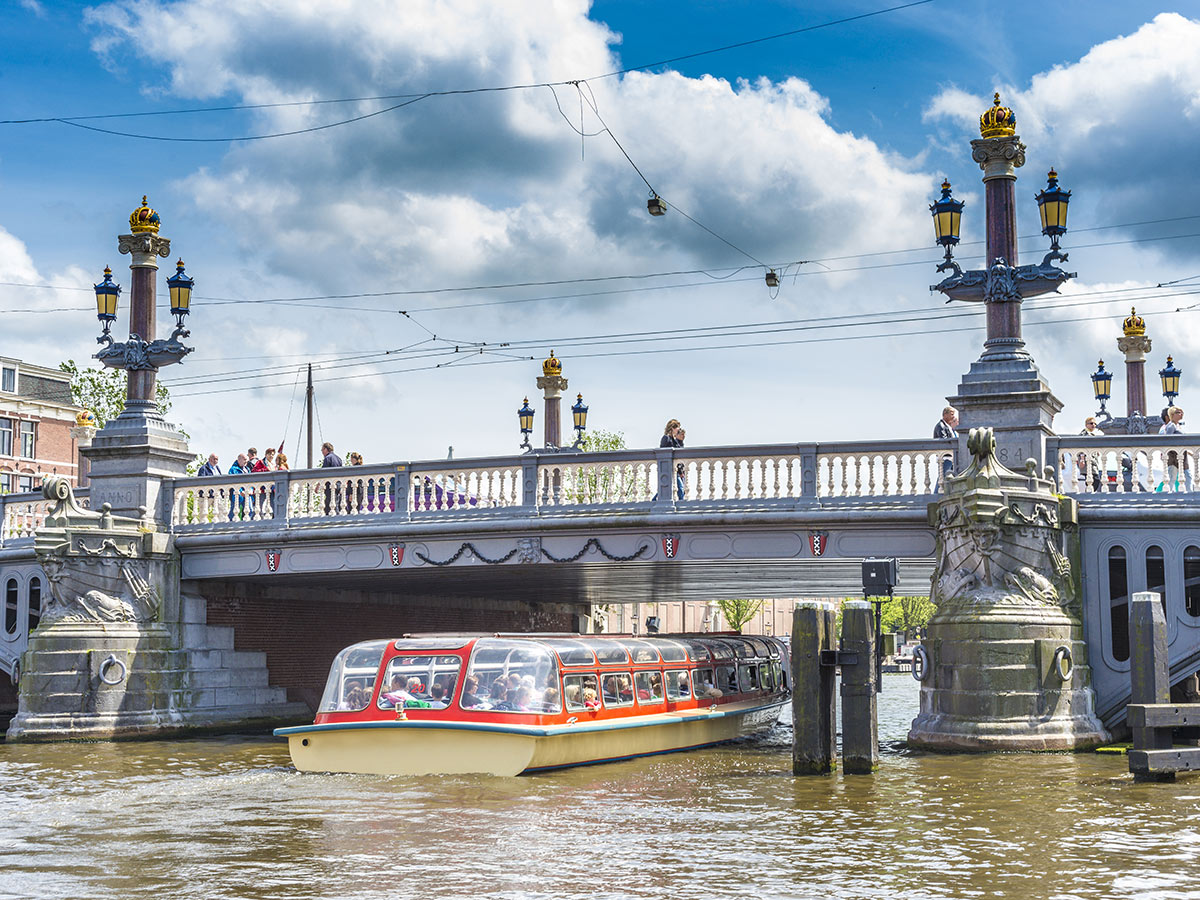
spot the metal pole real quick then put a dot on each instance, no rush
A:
(308, 402)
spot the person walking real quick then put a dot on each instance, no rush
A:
(281, 462)
(673, 435)
(241, 466)
(256, 464)
(329, 458)
(1090, 430)
(1174, 425)
(946, 429)
(209, 468)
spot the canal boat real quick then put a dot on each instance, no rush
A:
(511, 704)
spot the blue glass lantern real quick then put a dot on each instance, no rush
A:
(947, 217)
(525, 416)
(180, 287)
(579, 414)
(1052, 204)
(1170, 381)
(107, 293)
(1102, 385)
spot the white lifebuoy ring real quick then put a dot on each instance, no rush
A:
(920, 663)
(110, 661)
(1063, 664)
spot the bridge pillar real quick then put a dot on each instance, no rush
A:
(1007, 659)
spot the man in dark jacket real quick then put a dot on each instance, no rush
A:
(331, 458)
(210, 467)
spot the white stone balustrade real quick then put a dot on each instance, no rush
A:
(618, 477)
(464, 488)
(891, 469)
(1125, 464)
(223, 500)
(23, 514)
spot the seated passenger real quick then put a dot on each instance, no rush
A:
(470, 699)
(524, 700)
(612, 688)
(589, 699)
(438, 698)
(550, 701)
(393, 694)
(625, 690)
(707, 689)
(353, 692)
(684, 687)
(573, 698)
(498, 696)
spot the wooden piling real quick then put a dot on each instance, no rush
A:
(814, 705)
(860, 722)
(1149, 679)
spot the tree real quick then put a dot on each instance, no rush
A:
(907, 613)
(738, 612)
(606, 483)
(102, 391)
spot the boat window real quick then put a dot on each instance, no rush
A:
(749, 677)
(1191, 580)
(426, 677)
(617, 690)
(706, 684)
(608, 652)
(720, 649)
(640, 651)
(352, 677)
(581, 691)
(670, 651)
(743, 649)
(679, 686)
(515, 676)
(10, 606)
(416, 644)
(697, 651)
(767, 673)
(727, 679)
(773, 646)
(572, 653)
(1118, 602)
(760, 647)
(649, 687)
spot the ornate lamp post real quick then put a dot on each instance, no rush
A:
(947, 217)
(525, 417)
(579, 414)
(1170, 381)
(141, 355)
(1102, 386)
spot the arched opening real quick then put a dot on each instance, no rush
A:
(10, 607)
(1156, 573)
(35, 602)
(1118, 602)
(1191, 581)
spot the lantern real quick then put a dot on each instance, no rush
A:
(1170, 382)
(107, 293)
(947, 216)
(579, 413)
(1052, 204)
(181, 293)
(1102, 385)
(657, 206)
(772, 278)
(525, 417)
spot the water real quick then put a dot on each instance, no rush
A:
(228, 817)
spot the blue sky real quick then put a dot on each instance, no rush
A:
(824, 146)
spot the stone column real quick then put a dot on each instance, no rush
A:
(144, 250)
(82, 434)
(1000, 158)
(1135, 344)
(552, 384)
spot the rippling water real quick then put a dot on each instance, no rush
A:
(229, 817)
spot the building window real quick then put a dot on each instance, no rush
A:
(10, 607)
(6, 437)
(1118, 603)
(8, 380)
(24, 483)
(28, 440)
(6, 482)
(1191, 581)
(35, 602)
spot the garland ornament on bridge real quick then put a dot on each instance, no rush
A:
(529, 548)
(1006, 665)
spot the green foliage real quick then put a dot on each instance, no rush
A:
(102, 391)
(606, 484)
(738, 612)
(907, 613)
(599, 440)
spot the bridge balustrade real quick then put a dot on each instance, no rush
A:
(542, 482)
(1124, 464)
(24, 513)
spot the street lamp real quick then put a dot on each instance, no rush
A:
(1170, 382)
(947, 217)
(525, 417)
(579, 413)
(1102, 385)
(656, 205)
(181, 296)
(107, 293)
(1052, 204)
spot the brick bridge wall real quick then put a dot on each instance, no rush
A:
(301, 629)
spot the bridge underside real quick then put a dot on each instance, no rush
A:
(686, 580)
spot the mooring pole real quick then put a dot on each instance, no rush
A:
(1149, 678)
(860, 723)
(814, 703)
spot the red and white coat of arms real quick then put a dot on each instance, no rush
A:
(396, 554)
(670, 545)
(817, 542)
(273, 557)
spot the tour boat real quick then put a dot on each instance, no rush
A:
(511, 704)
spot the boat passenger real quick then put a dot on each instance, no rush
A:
(626, 690)
(590, 700)
(354, 698)
(498, 698)
(550, 700)
(469, 698)
(612, 688)
(414, 686)
(438, 698)
(707, 689)
(572, 696)
(392, 696)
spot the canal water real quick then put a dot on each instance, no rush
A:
(230, 818)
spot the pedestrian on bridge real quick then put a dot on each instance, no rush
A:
(673, 435)
(210, 467)
(946, 429)
(329, 457)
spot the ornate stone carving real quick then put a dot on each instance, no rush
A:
(97, 563)
(1004, 153)
(145, 244)
(529, 550)
(1134, 346)
(999, 536)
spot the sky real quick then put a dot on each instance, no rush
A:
(426, 240)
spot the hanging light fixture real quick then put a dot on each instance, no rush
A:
(107, 293)
(656, 205)
(947, 218)
(180, 286)
(525, 417)
(772, 278)
(1170, 381)
(1102, 385)
(1052, 204)
(579, 413)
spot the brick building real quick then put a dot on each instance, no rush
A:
(36, 419)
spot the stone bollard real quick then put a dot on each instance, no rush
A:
(814, 705)
(860, 723)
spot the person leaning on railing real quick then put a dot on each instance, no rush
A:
(1173, 424)
(1090, 430)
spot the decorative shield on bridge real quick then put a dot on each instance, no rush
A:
(273, 557)
(817, 541)
(670, 545)
(396, 553)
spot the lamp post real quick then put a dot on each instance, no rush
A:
(525, 417)
(1102, 386)
(579, 414)
(1170, 381)
(142, 355)
(947, 217)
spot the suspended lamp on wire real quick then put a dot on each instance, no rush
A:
(772, 278)
(657, 205)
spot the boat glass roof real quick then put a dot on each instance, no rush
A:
(572, 653)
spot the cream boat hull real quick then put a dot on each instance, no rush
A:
(428, 747)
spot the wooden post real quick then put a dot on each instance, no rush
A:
(814, 704)
(860, 724)
(1149, 678)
